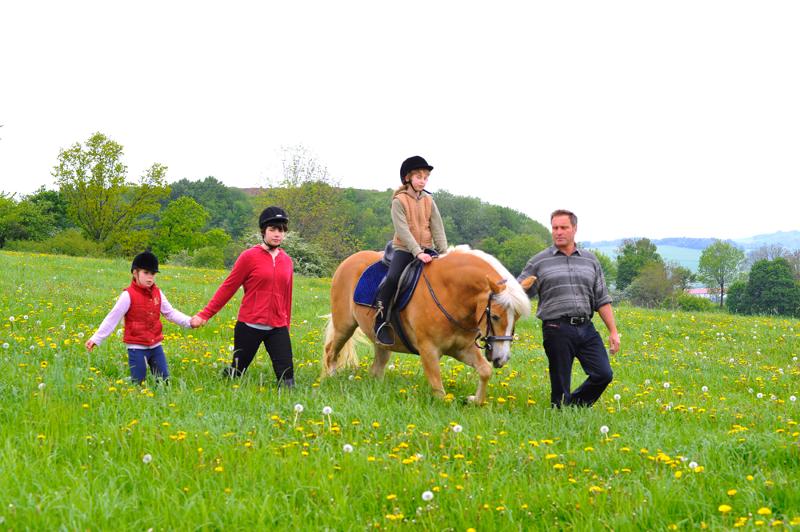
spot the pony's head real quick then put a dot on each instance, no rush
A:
(505, 303)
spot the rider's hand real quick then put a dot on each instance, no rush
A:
(424, 257)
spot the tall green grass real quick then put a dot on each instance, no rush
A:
(82, 448)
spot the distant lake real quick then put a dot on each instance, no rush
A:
(686, 257)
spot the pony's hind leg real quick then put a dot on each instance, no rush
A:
(382, 357)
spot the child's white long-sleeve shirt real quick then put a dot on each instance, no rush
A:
(121, 308)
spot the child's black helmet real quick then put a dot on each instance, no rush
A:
(145, 261)
(413, 163)
(272, 215)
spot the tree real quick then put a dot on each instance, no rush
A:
(771, 289)
(516, 251)
(720, 263)
(607, 265)
(230, 209)
(94, 183)
(316, 207)
(658, 284)
(25, 220)
(632, 256)
(180, 228)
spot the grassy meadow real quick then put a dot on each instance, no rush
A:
(702, 425)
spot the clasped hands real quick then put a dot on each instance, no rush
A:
(197, 321)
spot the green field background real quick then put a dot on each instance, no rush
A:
(702, 422)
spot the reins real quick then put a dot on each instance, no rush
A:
(482, 342)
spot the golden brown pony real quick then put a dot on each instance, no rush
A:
(471, 296)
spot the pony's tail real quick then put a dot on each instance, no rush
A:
(346, 356)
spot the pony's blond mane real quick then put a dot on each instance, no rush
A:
(513, 297)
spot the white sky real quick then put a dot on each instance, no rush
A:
(655, 119)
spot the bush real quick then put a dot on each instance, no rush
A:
(208, 257)
(693, 303)
(67, 242)
(308, 259)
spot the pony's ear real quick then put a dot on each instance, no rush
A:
(496, 287)
(528, 282)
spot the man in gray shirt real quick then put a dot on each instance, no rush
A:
(571, 288)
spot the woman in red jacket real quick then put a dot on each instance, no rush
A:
(265, 271)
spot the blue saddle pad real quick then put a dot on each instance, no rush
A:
(367, 287)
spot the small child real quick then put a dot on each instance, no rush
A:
(142, 304)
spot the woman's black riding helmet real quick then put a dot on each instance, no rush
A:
(272, 216)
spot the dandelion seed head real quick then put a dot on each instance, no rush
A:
(298, 408)
(347, 448)
(5, 345)
(427, 496)
(647, 382)
(704, 389)
(12, 319)
(693, 465)
(792, 398)
(41, 386)
(604, 429)
(147, 458)
(759, 395)
(327, 410)
(617, 397)
(457, 428)
(666, 385)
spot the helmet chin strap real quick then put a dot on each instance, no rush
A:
(270, 246)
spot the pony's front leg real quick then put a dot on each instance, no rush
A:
(430, 363)
(475, 359)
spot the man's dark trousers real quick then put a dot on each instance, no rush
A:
(563, 342)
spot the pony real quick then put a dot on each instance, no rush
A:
(463, 297)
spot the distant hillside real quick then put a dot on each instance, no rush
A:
(687, 251)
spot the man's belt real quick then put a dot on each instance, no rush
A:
(573, 320)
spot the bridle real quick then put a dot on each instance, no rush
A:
(484, 342)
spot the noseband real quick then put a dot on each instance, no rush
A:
(484, 342)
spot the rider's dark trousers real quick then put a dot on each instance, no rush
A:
(400, 260)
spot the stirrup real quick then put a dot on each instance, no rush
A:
(384, 334)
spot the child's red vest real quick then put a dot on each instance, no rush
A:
(143, 319)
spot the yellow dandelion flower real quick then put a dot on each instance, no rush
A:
(596, 489)
(678, 474)
(558, 467)
(764, 511)
(391, 497)
(732, 492)
(724, 508)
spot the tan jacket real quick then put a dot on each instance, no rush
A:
(417, 222)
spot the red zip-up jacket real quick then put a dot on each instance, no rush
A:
(267, 288)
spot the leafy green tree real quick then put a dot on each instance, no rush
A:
(9, 217)
(52, 203)
(608, 266)
(632, 256)
(100, 200)
(516, 251)
(720, 263)
(180, 228)
(737, 297)
(771, 289)
(651, 287)
(229, 208)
